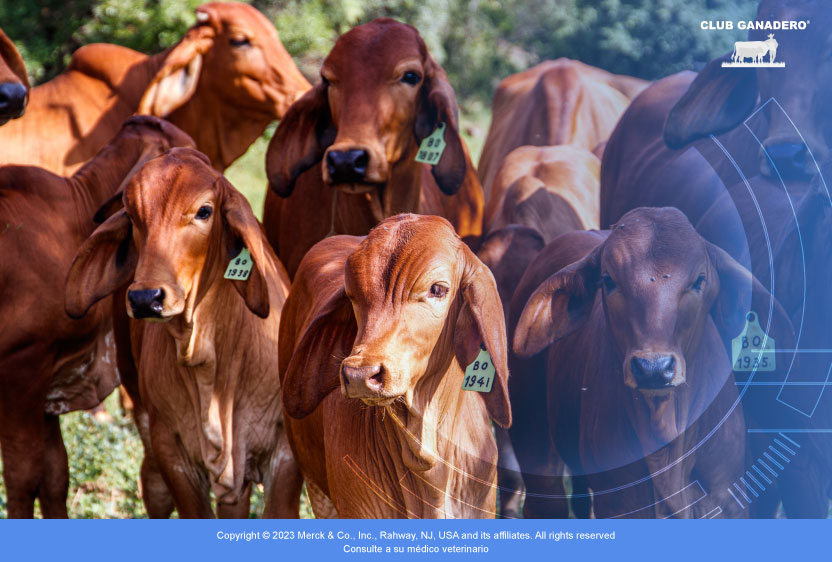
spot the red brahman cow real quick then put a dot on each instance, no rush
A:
(223, 83)
(393, 320)
(343, 158)
(556, 102)
(206, 351)
(640, 394)
(50, 364)
(640, 170)
(539, 193)
(14, 82)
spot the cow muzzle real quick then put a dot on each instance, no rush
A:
(368, 383)
(651, 371)
(13, 97)
(353, 168)
(787, 159)
(148, 303)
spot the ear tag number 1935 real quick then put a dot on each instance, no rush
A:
(747, 350)
(239, 268)
(479, 375)
(432, 147)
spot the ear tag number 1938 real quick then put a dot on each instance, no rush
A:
(747, 350)
(479, 375)
(239, 268)
(432, 147)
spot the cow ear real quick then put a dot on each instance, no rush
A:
(300, 140)
(438, 105)
(717, 101)
(313, 370)
(481, 322)
(13, 59)
(559, 306)
(176, 81)
(242, 230)
(105, 262)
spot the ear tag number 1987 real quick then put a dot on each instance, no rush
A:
(239, 268)
(479, 375)
(748, 352)
(432, 147)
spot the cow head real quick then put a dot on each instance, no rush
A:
(233, 53)
(380, 94)
(181, 224)
(720, 99)
(657, 281)
(419, 298)
(14, 82)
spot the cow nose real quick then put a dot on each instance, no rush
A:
(147, 304)
(347, 166)
(655, 372)
(789, 160)
(366, 381)
(12, 99)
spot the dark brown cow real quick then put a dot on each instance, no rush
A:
(14, 82)
(343, 157)
(637, 373)
(640, 170)
(50, 364)
(393, 320)
(206, 353)
(556, 102)
(223, 83)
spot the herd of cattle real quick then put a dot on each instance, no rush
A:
(360, 341)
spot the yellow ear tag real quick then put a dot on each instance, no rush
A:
(432, 147)
(747, 349)
(479, 375)
(239, 268)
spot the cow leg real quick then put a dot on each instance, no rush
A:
(509, 479)
(55, 484)
(285, 483)
(239, 510)
(187, 484)
(157, 499)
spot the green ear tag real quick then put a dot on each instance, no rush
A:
(430, 151)
(747, 349)
(239, 268)
(479, 375)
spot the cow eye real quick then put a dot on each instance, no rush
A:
(609, 284)
(438, 291)
(411, 78)
(698, 284)
(204, 212)
(239, 42)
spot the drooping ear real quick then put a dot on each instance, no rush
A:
(559, 306)
(241, 229)
(300, 140)
(740, 292)
(313, 370)
(105, 262)
(438, 105)
(481, 322)
(717, 101)
(13, 59)
(177, 80)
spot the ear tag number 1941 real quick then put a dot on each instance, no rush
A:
(239, 268)
(479, 375)
(748, 351)
(432, 147)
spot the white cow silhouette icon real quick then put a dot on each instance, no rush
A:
(755, 50)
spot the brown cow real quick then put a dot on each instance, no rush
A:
(393, 320)
(639, 169)
(14, 82)
(343, 157)
(539, 193)
(206, 354)
(223, 83)
(50, 364)
(643, 301)
(556, 102)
